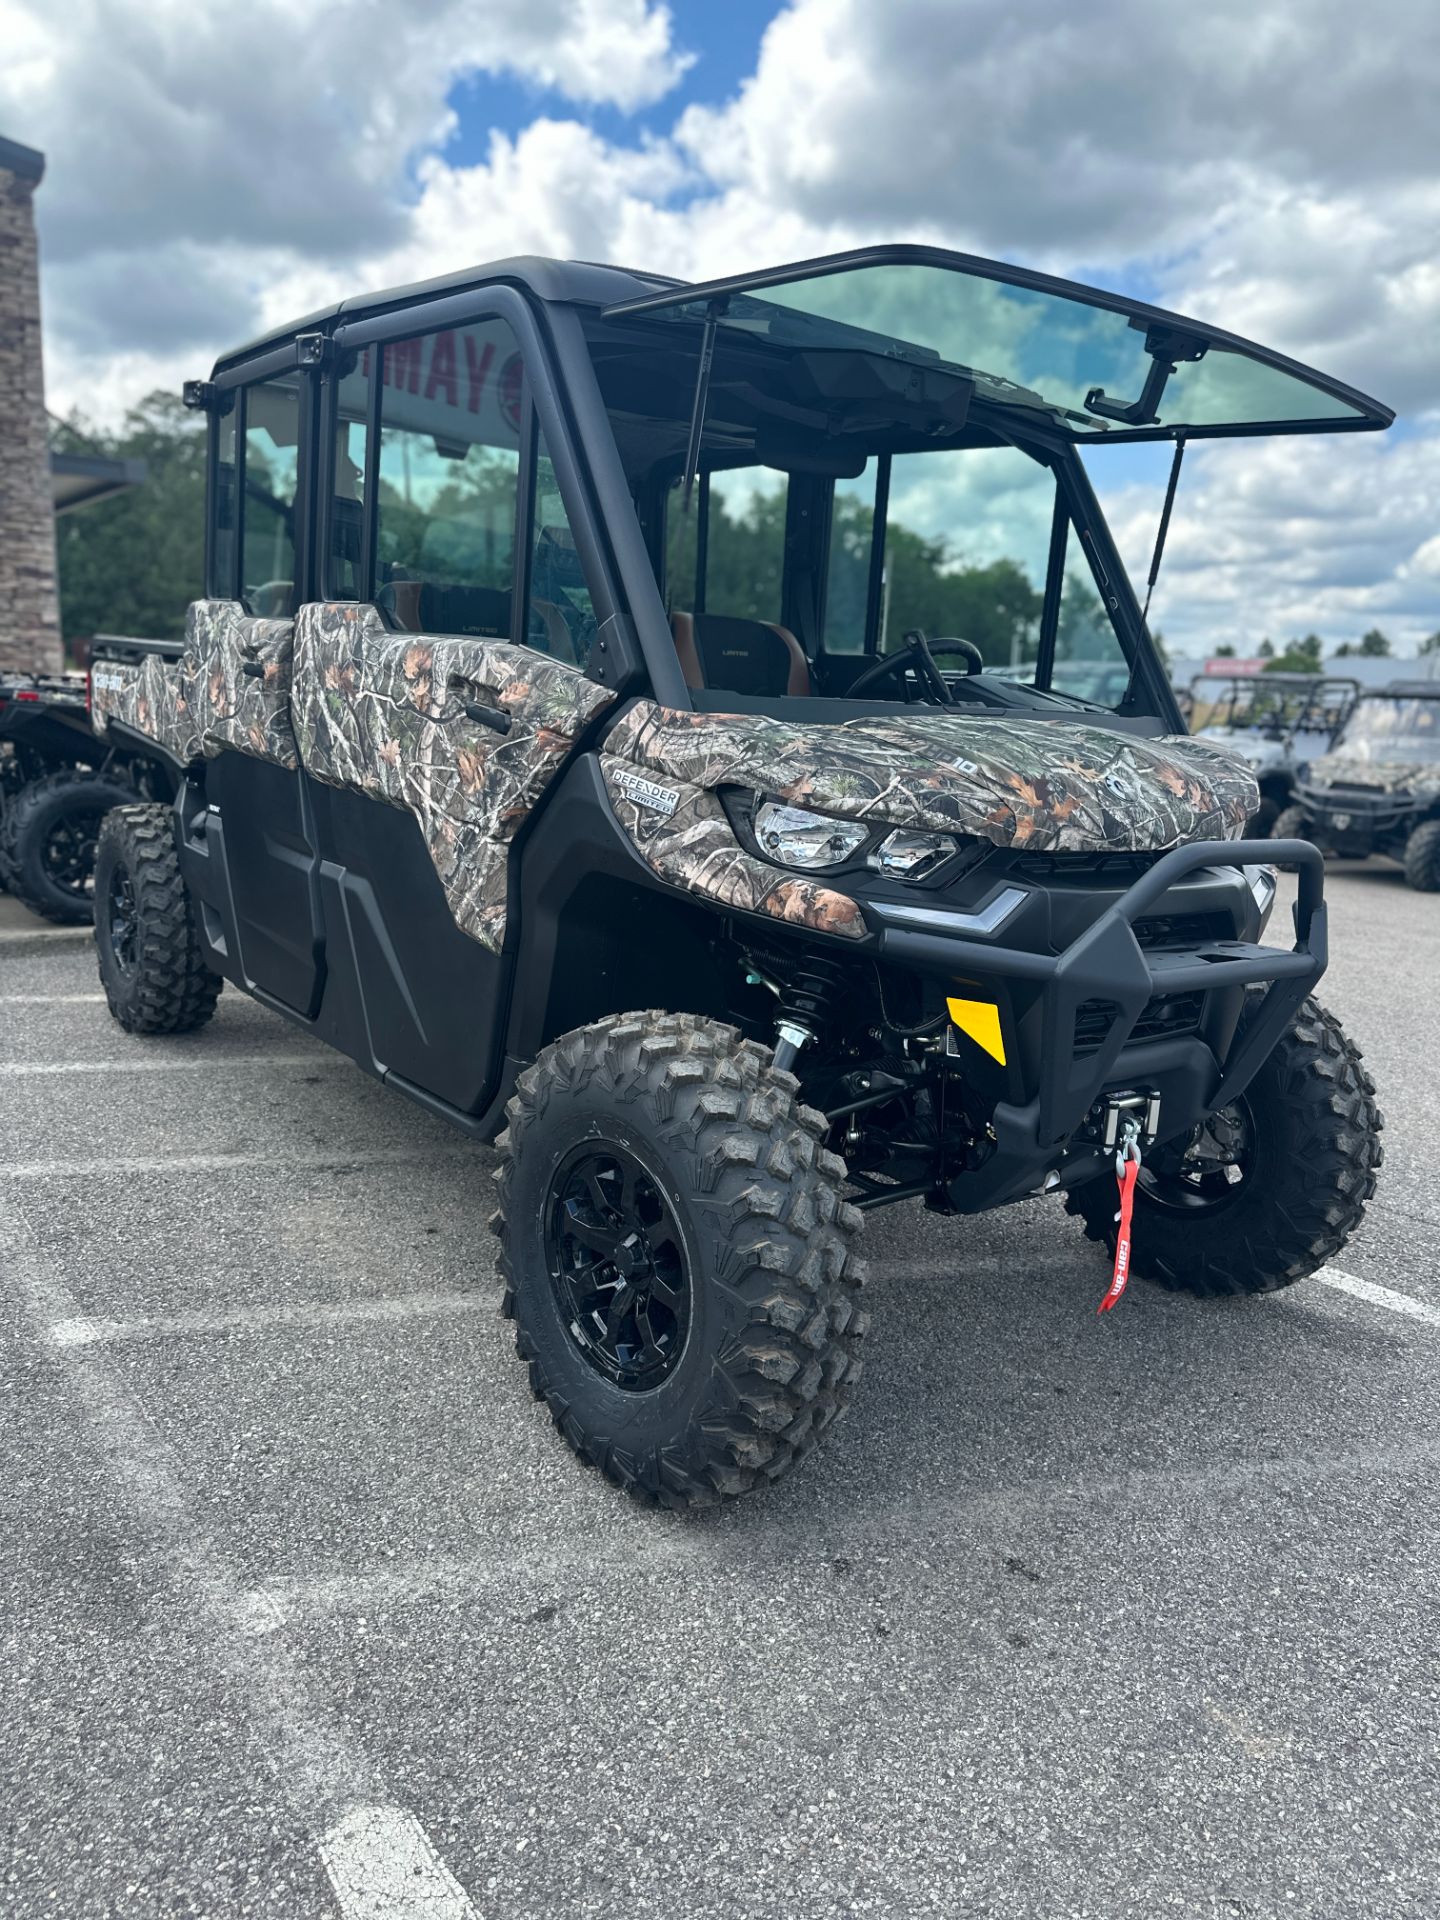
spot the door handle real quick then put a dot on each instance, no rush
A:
(493, 717)
(255, 669)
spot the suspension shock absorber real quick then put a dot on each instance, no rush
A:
(805, 1000)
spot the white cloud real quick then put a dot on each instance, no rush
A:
(1263, 163)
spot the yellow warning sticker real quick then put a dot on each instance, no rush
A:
(980, 1020)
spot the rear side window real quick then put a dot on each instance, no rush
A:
(447, 479)
(222, 557)
(726, 555)
(269, 479)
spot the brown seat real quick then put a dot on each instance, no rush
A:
(728, 655)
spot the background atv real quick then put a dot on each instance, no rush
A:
(1379, 791)
(1277, 723)
(582, 734)
(56, 786)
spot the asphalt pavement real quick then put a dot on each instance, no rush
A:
(306, 1610)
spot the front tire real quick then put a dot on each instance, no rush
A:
(152, 964)
(1262, 822)
(51, 829)
(677, 1256)
(1305, 1138)
(1422, 857)
(1292, 824)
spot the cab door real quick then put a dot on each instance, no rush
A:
(249, 854)
(435, 702)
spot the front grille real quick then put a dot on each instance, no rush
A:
(1183, 929)
(1121, 868)
(1160, 1019)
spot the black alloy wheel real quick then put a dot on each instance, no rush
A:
(618, 1264)
(68, 850)
(121, 920)
(1209, 1169)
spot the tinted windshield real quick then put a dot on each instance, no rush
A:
(1263, 704)
(1044, 345)
(836, 507)
(1394, 730)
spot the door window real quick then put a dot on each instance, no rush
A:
(561, 614)
(447, 479)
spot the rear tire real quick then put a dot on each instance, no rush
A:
(739, 1244)
(152, 964)
(51, 829)
(1422, 857)
(1314, 1132)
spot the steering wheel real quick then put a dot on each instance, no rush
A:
(917, 656)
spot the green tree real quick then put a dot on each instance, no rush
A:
(1373, 646)
(133, 564)
(1265, 650)
(1429, 645)
(1301, 656)
(1225, 651)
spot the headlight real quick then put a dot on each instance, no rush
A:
(907, 854)
(795, 837)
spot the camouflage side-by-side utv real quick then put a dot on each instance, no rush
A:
(702, 738)
(1379, 791)
(1276, 722)
(56, 786)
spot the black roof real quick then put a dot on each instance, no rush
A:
(577, 282)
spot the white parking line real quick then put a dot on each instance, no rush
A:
(320, 1313)
(1377, 1296)
(201, 1063)
(383, 1866)
(51, 999)
(224, 1162)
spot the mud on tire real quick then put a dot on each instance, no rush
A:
(48, 834)
(770, 1354)
(1317, 1150)
(152, 965)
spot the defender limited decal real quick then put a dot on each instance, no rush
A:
(645, 793)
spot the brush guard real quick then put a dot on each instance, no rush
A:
(1107, 962)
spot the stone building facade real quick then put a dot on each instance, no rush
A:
(29, 606)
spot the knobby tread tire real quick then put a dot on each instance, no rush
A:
(1318, 1128)
(171, 988)
(1422, 857)
(780, 1356)
(28, 814)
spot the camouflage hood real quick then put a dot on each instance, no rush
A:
(1049, 785)
(1418, 777)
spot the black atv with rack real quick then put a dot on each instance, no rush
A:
(57, 783)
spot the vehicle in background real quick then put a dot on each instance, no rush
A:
(1379, 790)
(57, 783)
(1277, 722)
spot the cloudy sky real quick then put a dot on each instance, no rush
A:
(1274, 167)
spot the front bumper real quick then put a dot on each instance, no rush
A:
(1070, 1061)
(1358, 820)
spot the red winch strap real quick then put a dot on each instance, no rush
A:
(1126, 1183)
